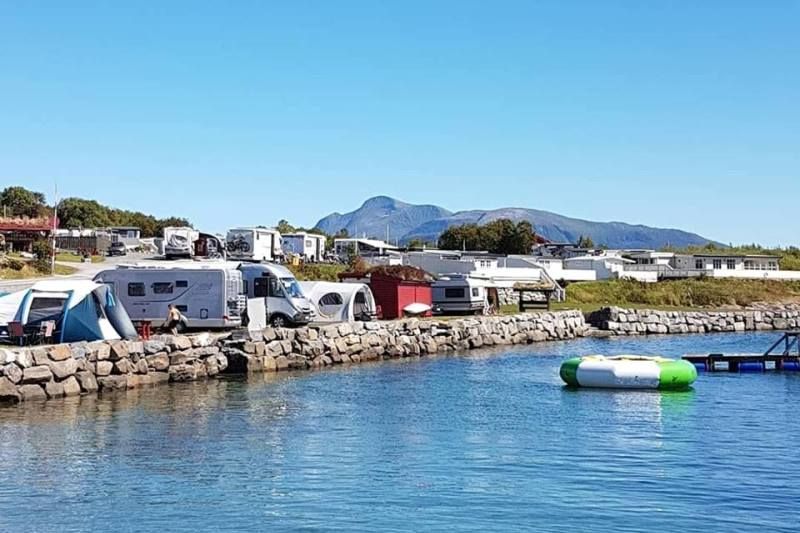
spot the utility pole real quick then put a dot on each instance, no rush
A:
(55, 224)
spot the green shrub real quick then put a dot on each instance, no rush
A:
(44, 254)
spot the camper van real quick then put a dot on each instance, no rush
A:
(254, 244)
(274, 296)
(459, 293)
(307, 246)
(208, 295)
(179, 242)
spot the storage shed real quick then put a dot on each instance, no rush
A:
(396, 287)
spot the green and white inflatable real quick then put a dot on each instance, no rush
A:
(628, 372)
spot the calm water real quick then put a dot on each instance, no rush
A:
(476, 443)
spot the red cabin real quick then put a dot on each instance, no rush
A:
(393, 294)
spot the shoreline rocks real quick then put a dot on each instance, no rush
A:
(622, 321)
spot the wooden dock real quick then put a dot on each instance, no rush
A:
(783, 355)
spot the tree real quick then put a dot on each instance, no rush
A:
(501, 236)
(21, 202)
(584, 241)
(284, 226)
(416, 244)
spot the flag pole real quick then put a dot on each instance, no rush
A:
(55, 223)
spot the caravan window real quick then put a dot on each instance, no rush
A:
(45, 308)
(475, 291)
(135, 289)
(181, 283)
(162, 288)
(261, 287)
(454, 293)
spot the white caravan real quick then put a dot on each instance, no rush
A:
(459, 293)
(254, 244)
(340, 302)
(179, 242)
(274, 296)
(208, 295)
(308, 246)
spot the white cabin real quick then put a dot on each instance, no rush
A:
(309, 246)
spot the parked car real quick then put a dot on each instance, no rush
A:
(117, 248)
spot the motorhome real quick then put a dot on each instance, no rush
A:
(459, 293)
(208, 295)
(308, 246)
(254, 244)
(179, 242)
(274, 296)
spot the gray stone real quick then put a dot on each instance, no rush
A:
(118, 382)
(104, 368)
(54, 389)
(153, 347)
(159, 361)
(123, 366)
(8, 391)
(32, 393)
(36, 374)
(119, 350)
(87, 381)
(71, 386)
(12, 372)
(59, 352)
(40, 356)
(141, 366)
(63, 369)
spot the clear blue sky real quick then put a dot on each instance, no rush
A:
(669, 113)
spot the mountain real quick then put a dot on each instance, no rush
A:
(426, 222)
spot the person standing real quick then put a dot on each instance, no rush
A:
(173, 319)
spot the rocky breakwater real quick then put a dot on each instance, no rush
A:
(621, 321)
(40, 373)
(273, 350)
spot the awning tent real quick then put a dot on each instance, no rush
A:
(82, 310)
(340, 302)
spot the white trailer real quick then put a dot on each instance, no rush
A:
(209, 295)
(459, 293)
(254, 244)
(179, 242)
(308, 246)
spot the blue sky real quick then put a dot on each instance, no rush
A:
(671, 113)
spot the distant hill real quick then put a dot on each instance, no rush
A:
(426, 222)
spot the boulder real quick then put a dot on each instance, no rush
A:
(158, 361)
(112, 382)
(12, 372)
(123, 366)
(59, 352)
(119, 350)
(71, 386)
(87, 381)
(39, 356)
(32, 392)
(63, 369)
(153, 347)
(104, 368)
(8, 392)
(54, 389)
(36, 374)
(142, 367)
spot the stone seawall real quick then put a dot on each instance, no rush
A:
(46, 372)
(620, 321)
(40, 373)
(315, 347)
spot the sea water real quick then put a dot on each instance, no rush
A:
(486, 441)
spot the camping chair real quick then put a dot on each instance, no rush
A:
(45, 333)
(16, 332)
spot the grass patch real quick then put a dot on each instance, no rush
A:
(65, 257)
(28, 272)
(679, 294)
(317, 271)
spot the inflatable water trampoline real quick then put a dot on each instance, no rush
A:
(628, 372)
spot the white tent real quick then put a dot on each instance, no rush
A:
(340, 302)
(81, 309)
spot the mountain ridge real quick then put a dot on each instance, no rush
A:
(383, 216)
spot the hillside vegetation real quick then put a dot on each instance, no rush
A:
(681, 293)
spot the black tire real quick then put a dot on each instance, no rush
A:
(278, 321)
